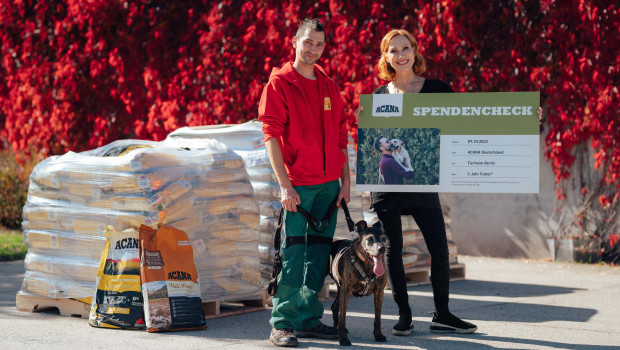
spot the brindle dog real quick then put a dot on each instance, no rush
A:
(357, 267)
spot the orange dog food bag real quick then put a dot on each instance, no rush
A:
(169, 280)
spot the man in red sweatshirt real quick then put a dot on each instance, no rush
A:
(306, 139)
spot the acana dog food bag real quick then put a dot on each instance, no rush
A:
(169, 280)
(118, 299)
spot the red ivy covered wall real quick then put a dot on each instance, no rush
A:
(76, 75)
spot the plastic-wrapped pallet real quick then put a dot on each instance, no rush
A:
(247, 140)
(200, 187)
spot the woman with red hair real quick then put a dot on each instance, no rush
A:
(402, 65)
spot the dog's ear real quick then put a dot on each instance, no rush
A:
(377, 225)
(360, 226)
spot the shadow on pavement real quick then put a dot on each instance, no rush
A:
(509, 290)
(504, 310)
(461, 341)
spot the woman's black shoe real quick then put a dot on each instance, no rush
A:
(403, 327)
(448, 323)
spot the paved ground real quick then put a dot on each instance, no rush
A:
(517, 304)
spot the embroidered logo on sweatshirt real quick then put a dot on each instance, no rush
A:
(327, 104)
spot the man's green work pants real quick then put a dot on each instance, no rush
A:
(305, 257)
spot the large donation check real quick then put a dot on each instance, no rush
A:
(485, 142)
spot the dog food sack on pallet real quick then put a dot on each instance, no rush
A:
(118, 300)
(169, 281)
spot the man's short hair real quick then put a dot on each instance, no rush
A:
(377, 143)
(311, 23)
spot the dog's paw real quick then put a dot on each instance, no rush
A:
(344, 341)
(380, 338)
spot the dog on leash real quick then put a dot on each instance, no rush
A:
(358, 269)
(400, 154)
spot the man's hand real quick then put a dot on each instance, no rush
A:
(290, 198)
(345, 192)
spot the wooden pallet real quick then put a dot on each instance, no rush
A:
(419, 275)
(69, 307)
(222, 307)
(66, 307)
(457, 272)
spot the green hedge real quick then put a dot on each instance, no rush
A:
(12, 245)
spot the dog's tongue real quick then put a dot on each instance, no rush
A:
(379, 270)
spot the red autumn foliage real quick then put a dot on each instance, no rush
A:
(76, 74)
(613, 240)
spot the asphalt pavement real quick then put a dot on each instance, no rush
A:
(517, 304)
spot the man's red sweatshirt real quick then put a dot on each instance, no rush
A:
(286, 116)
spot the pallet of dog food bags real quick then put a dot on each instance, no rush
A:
(198, 186)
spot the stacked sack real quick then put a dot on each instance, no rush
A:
(247, 140)
(201, 188)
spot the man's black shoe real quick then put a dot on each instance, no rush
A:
(321, 331)
(449, 323)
